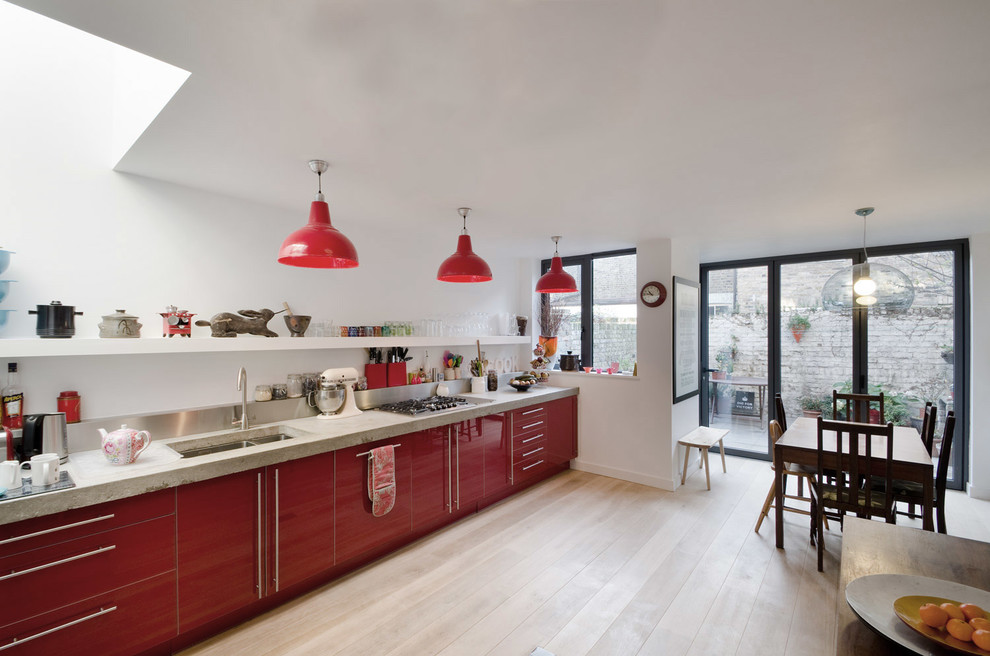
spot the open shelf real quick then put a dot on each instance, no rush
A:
(37, 347)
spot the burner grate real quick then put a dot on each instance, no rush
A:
(428, 405)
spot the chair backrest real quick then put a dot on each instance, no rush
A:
(857, 463)
(856, 407)
(781, 416)
(930, 418)
(775, 432)
(944, 456)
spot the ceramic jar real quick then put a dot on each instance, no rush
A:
(120, 324)
(123, 446)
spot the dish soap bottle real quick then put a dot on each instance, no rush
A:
(13, 400)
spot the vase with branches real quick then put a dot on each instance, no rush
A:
(551, 318)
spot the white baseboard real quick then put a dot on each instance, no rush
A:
(633, 477)
(978, 492)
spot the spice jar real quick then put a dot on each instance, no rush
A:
(294, 385)
(263, 393)
(311, 383)
(279, 391)
(492, 381)
(69, 402)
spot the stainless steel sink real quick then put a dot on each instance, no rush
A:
(231, 446)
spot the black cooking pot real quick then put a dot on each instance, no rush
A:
(55, 320)
(570, 362)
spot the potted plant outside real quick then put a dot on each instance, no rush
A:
(798, 324)
(815, 406)
(726, 363)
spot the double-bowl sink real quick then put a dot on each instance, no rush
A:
(194, 448)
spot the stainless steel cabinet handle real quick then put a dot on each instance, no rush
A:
(277, 519)
(457, 461)
(14, 575)
(528, 426)
(535, 437)
(532, 452)
(450, 501)
(538, 462)
(260, 580)
(512, 455)
(53, 530)
(529, 412)
(15, 641)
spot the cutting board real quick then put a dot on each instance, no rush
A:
(89, 465)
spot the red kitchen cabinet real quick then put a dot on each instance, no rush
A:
(220, 538)
(122, 622)
(497, 438)
(468, 440)
(562, 422)
(530, 436)
(300, 530)
(357, 531)
(431, 465)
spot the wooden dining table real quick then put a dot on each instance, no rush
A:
(799, 445)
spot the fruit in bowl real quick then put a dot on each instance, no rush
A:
(523, 382)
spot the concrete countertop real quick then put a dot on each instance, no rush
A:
(310, 436)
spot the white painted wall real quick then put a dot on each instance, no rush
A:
(979, 437)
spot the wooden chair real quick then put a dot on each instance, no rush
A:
(790, 469)
(851, 491)
(780, 415)
(913, 493)
(929, 419)
(856, 407)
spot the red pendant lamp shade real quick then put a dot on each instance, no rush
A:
(464, 265)
(318, 245)
(556, 280)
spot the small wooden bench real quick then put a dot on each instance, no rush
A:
(703, 438)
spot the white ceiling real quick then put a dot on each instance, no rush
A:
(756, 127)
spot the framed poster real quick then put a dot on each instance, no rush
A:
(686, 330)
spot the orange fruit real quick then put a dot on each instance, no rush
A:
(959, 630)
(933, 616)
(953, 611)
(972, 611)
(981, 639)
(980, 623)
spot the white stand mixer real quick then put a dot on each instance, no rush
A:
(346, 377)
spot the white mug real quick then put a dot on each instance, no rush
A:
(10, 474)
(44, 469)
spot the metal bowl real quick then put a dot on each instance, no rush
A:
(329, 401)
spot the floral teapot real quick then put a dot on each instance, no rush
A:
(123, 446)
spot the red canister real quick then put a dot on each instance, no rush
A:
(68, 402)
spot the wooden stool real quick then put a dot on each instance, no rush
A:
(703, 438)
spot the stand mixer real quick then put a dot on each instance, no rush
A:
(335, 397)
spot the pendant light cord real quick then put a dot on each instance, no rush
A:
(865, 256)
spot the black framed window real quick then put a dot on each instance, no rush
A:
(600, 318)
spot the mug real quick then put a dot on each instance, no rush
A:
(10, 474)
(44, 469)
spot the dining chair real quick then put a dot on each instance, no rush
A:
(801, 472)
(913, 492)
(851, 490)
(929, 419)
(856, 407)
(780, 414)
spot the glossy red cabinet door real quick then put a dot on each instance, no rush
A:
(220, 531)
(300, 524)
(468, 439)
(498, 453)
(431, 462)
(562, 420)
(357, 530)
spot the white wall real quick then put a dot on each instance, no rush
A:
(100, 240)
(979, 437)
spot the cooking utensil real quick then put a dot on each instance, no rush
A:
(45, 433)
(176, 322)
(570, 362)
(297, 324)
(329, 398)
(55, 320)
(120, 324)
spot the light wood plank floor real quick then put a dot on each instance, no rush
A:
(584, 564)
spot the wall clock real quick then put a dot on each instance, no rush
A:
(653, 294)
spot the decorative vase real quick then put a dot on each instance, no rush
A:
(549, 345)
(797, 332)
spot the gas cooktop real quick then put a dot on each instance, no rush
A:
(431, 404)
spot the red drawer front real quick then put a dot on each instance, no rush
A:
(527, 419)
(52, 529)
(85, 567)
(529, 467)
(122, 622)
(527, 442)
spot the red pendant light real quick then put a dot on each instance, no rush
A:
(556, 280)
(318, 245)
(464, 265)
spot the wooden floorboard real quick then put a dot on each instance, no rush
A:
(585, 564)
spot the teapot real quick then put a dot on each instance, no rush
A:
(123, 446)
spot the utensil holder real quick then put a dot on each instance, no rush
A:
(396, 374)
(376, 375)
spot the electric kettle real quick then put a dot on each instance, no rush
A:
(45, 433)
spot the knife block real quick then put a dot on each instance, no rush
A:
(376, 375)
(396, 374)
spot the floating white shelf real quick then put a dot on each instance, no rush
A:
(37, 347)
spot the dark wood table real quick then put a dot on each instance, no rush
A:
(799, 444)
(873, 547)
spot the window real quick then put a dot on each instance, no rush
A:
(600, 318)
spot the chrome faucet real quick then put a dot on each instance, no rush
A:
(242, 388)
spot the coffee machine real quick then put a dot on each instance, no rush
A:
(335, 396)
(45, 433)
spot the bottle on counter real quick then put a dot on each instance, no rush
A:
(12, 410)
